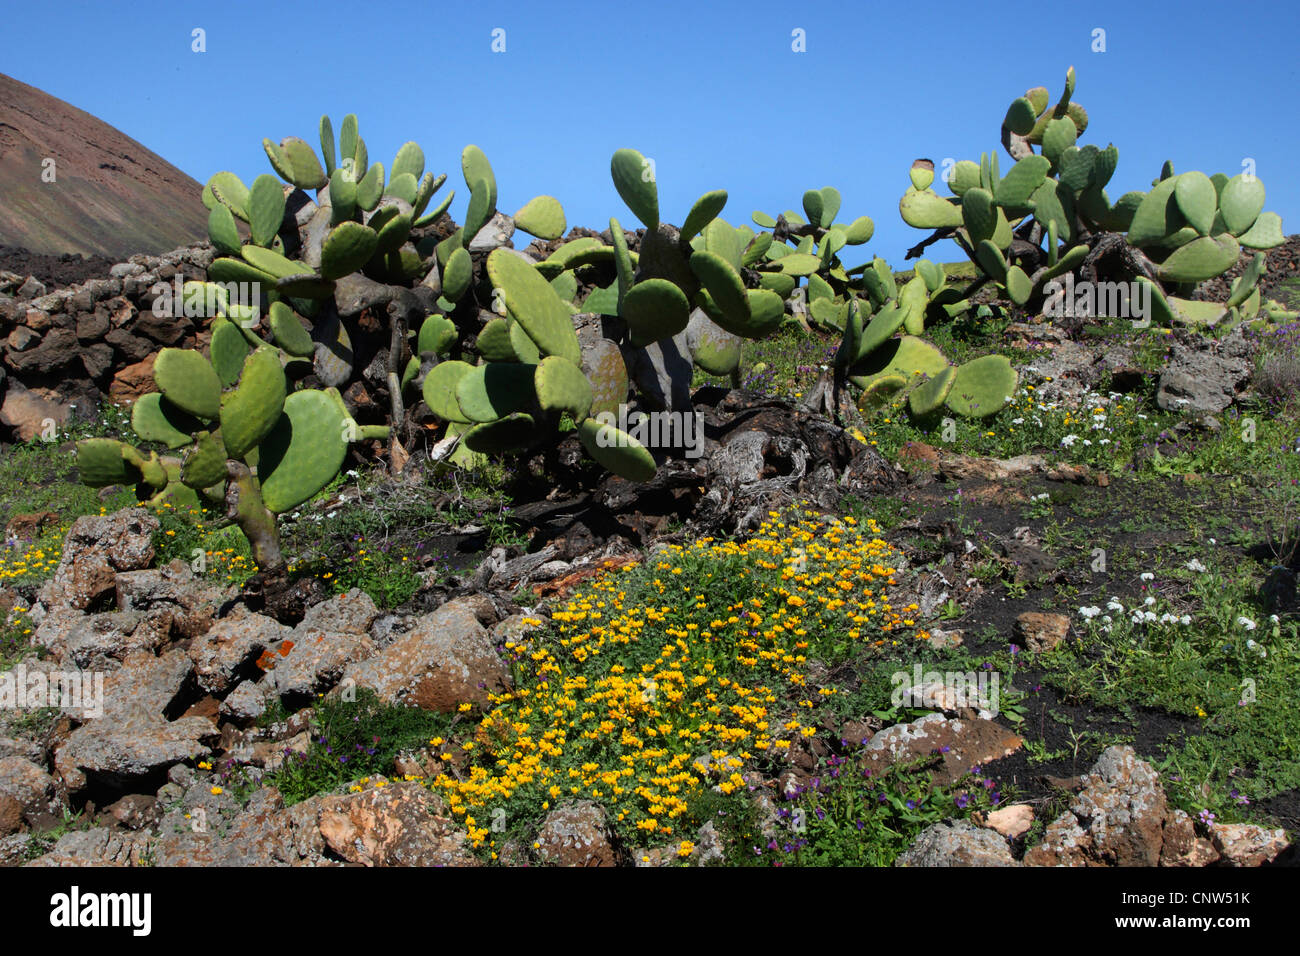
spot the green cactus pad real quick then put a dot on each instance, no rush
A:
(930, 394)
(303, 452)
(271, 262)
(265, 209)
(926, 209)
(153, 418)
(393, 233)
(1266, 233)
(480, 210)
(1162, 313)
(204, 463)
(346, 249)
(979, 215)
(343, 197)
(566, 257)
(880, 391)
(289, 333)
(1196, 313)
(907, 356)
(228, 190)
(402, 186)
(488, 392)
(541, 216)
(634, 180)
(912, 300)
(100, 463)
(819, 288)
(511, 433)
(826, 313)
(409, 161)
(370, 188)
(921, 173)
(524, 347)
(616, 450)
(228, 350)
(721, 238)
(800, 264)
(726, 290)
(494, 344)
(831, 243)
(1059, 135)
(1076, 166)
(561, 387)
(348, 137)
(250, 410)
(1241, 202)
(1019, 286)
(931, 273)
(306, 172)
(851, 344)
(963, 176)
(990, 259)
(1156, 216)
(439, 390)
(1200, 259)
(777, 282)
(437, 335)
(712, 347)
(707, 208)
(821, 205)
(1197, 200)
(860, 230)
(475, 167)
(222, 230)
(880, 329)
(763, 219)
(279, 160)
(1021, 181)
(189, 382)
(606, 371)
(1246, 283)
(327, 144)
(982, 386)
(236, 270)
(654, 309)
(534, 304)
(457, 275)
(1054, 202)
(429, 185)
(565, 286)
(1020, 116)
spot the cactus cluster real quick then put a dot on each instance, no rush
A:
(1050, 214)
(1193, 227)
(678, 302)
(897, 369)
(303, 251)
(244, 436)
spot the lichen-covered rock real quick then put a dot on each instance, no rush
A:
(402, 824)
(576, 834)
(957, 843)
(96, 550)
(447, 659)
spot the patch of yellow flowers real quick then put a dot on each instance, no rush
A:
(640, 705)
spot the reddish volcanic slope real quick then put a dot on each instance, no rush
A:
(110, 197)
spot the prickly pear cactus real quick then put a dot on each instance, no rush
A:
(1050, 214)
(242, 437)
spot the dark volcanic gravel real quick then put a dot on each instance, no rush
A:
(55, 271)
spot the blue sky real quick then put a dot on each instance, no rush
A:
(711, 91)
